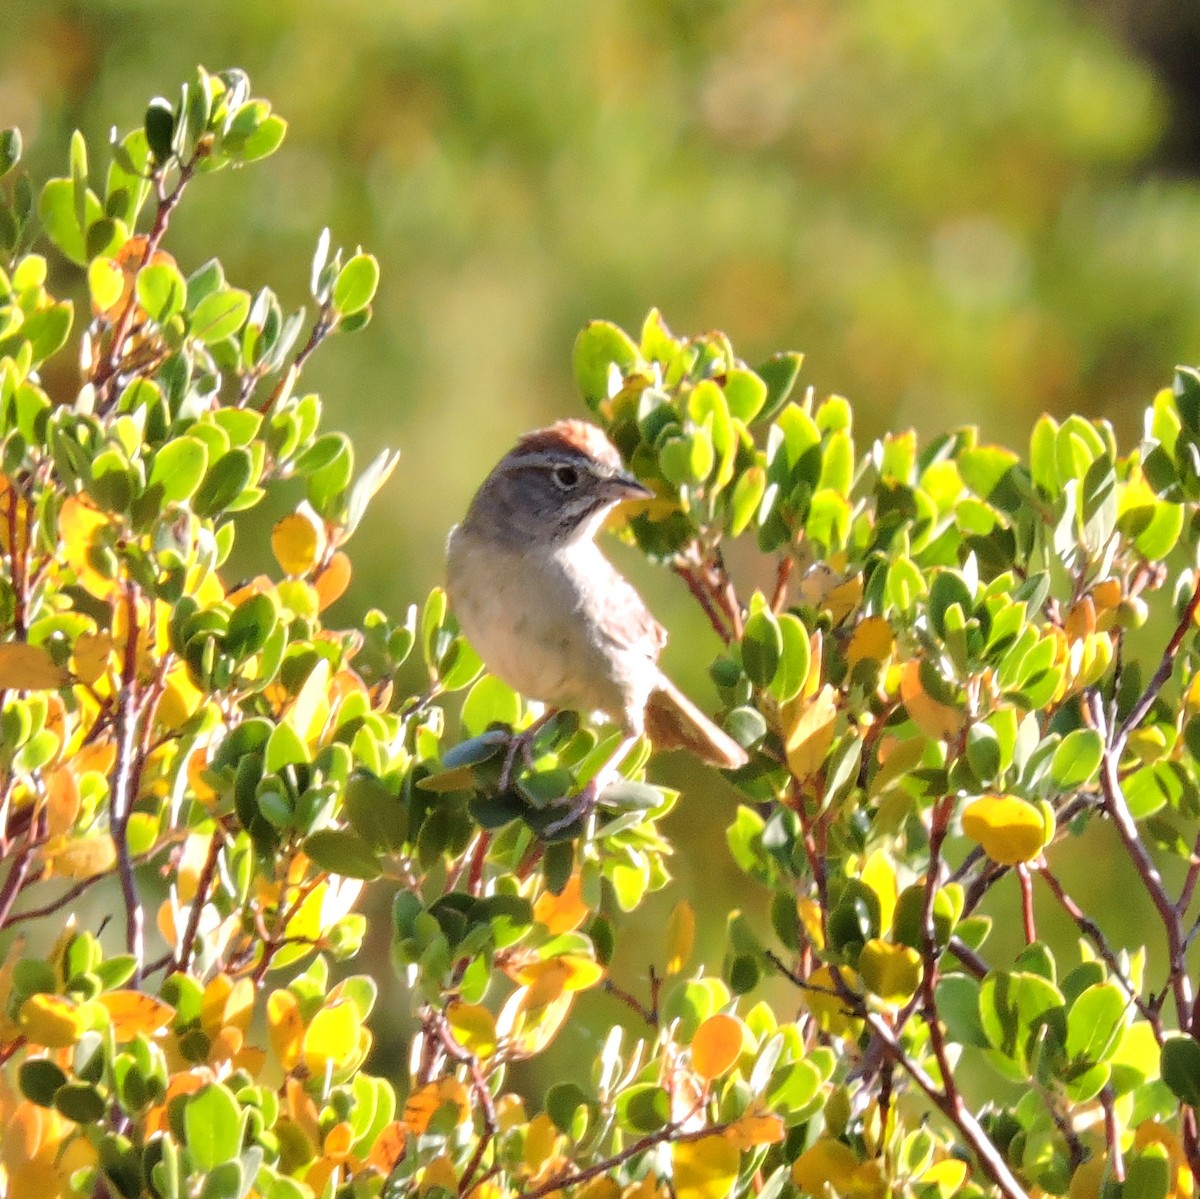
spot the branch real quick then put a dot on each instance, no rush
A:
(183, 953)
(1118, 810)
(1159, 679)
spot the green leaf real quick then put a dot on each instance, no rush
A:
(161, 291)
(1095, 1023)
(252, 622)
(212, 1125)
(178, 468)
(794, 658)
(1077, 759)
(160, 128)
(1013, 1007)
(355, 285)
(984, 467)
(10, 150)
(39, 1079)
(762, 647)
(745, 394)
(643, 1107)
(81, 1102)
(1180, 1063)
(344, 852)
(489, 702)
(599, 349)
(779, 374)
(220, 315)
(224, 482)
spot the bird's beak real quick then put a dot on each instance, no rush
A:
(621, 485)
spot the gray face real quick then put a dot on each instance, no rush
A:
(553, 496)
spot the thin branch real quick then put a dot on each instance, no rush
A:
(1027, 916)
(124, 782)
(1159, 679)
(1118, 810)
(1092, 931)
(183, 953)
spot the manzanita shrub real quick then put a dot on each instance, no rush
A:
(936, 689)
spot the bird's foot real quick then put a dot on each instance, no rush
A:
(578, 808)
(520, 746)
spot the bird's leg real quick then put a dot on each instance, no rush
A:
(521, 745)
(578, 806)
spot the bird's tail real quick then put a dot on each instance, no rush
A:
(674, 722)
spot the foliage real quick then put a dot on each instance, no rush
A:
(937, 690)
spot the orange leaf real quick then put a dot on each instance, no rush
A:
(424, 1103)
(562, 913)
(717, 1045)
(756, 1128)
(332, 582)
(133, 1012)
(934, 719)
(388, 1148)
(25, 667)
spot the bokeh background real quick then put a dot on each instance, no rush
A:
(961, 213)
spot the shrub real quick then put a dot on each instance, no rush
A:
(939, 691)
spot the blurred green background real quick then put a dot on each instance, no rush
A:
(961, 212)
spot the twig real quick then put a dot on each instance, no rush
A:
(701, 596)
(648, 1012)
(1112, 1134)
(1118, 810)
(1092, 931)
(670, 1133)
(1027, 915)
(183, 953)
(1159, 679)
(125, 782)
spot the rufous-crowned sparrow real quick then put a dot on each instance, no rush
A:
(548, 613)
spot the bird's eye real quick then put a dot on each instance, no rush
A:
(566, 477)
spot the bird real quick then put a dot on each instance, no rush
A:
(551, 617)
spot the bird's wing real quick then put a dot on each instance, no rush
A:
(624, 620)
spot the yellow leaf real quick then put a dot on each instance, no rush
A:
(1010, 830)
(133, 1012)
(681, 936)
(90, 657)
(338, 1141)
(844, 598)
(704, 1169)
(212, 1006)
(562, 913)
(949, 1174)
(810, 732)
(871, 641)
(756, 1128)
(332, 582)
(25, 667)
(310, 709)
(529, 1021)
(879, 874)
(551, 976)
(827, 1163)
(78, 526)
(333, 1036)
(474, 1027)
(823, 998)
(717, 1045)
(52, 1020)
(297, 541)
(892, 972)
(541, 1142)
(285, 1027)
(810, 918)
(934, 719)
(439, 1173)
(181, 698)
(80, 857)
